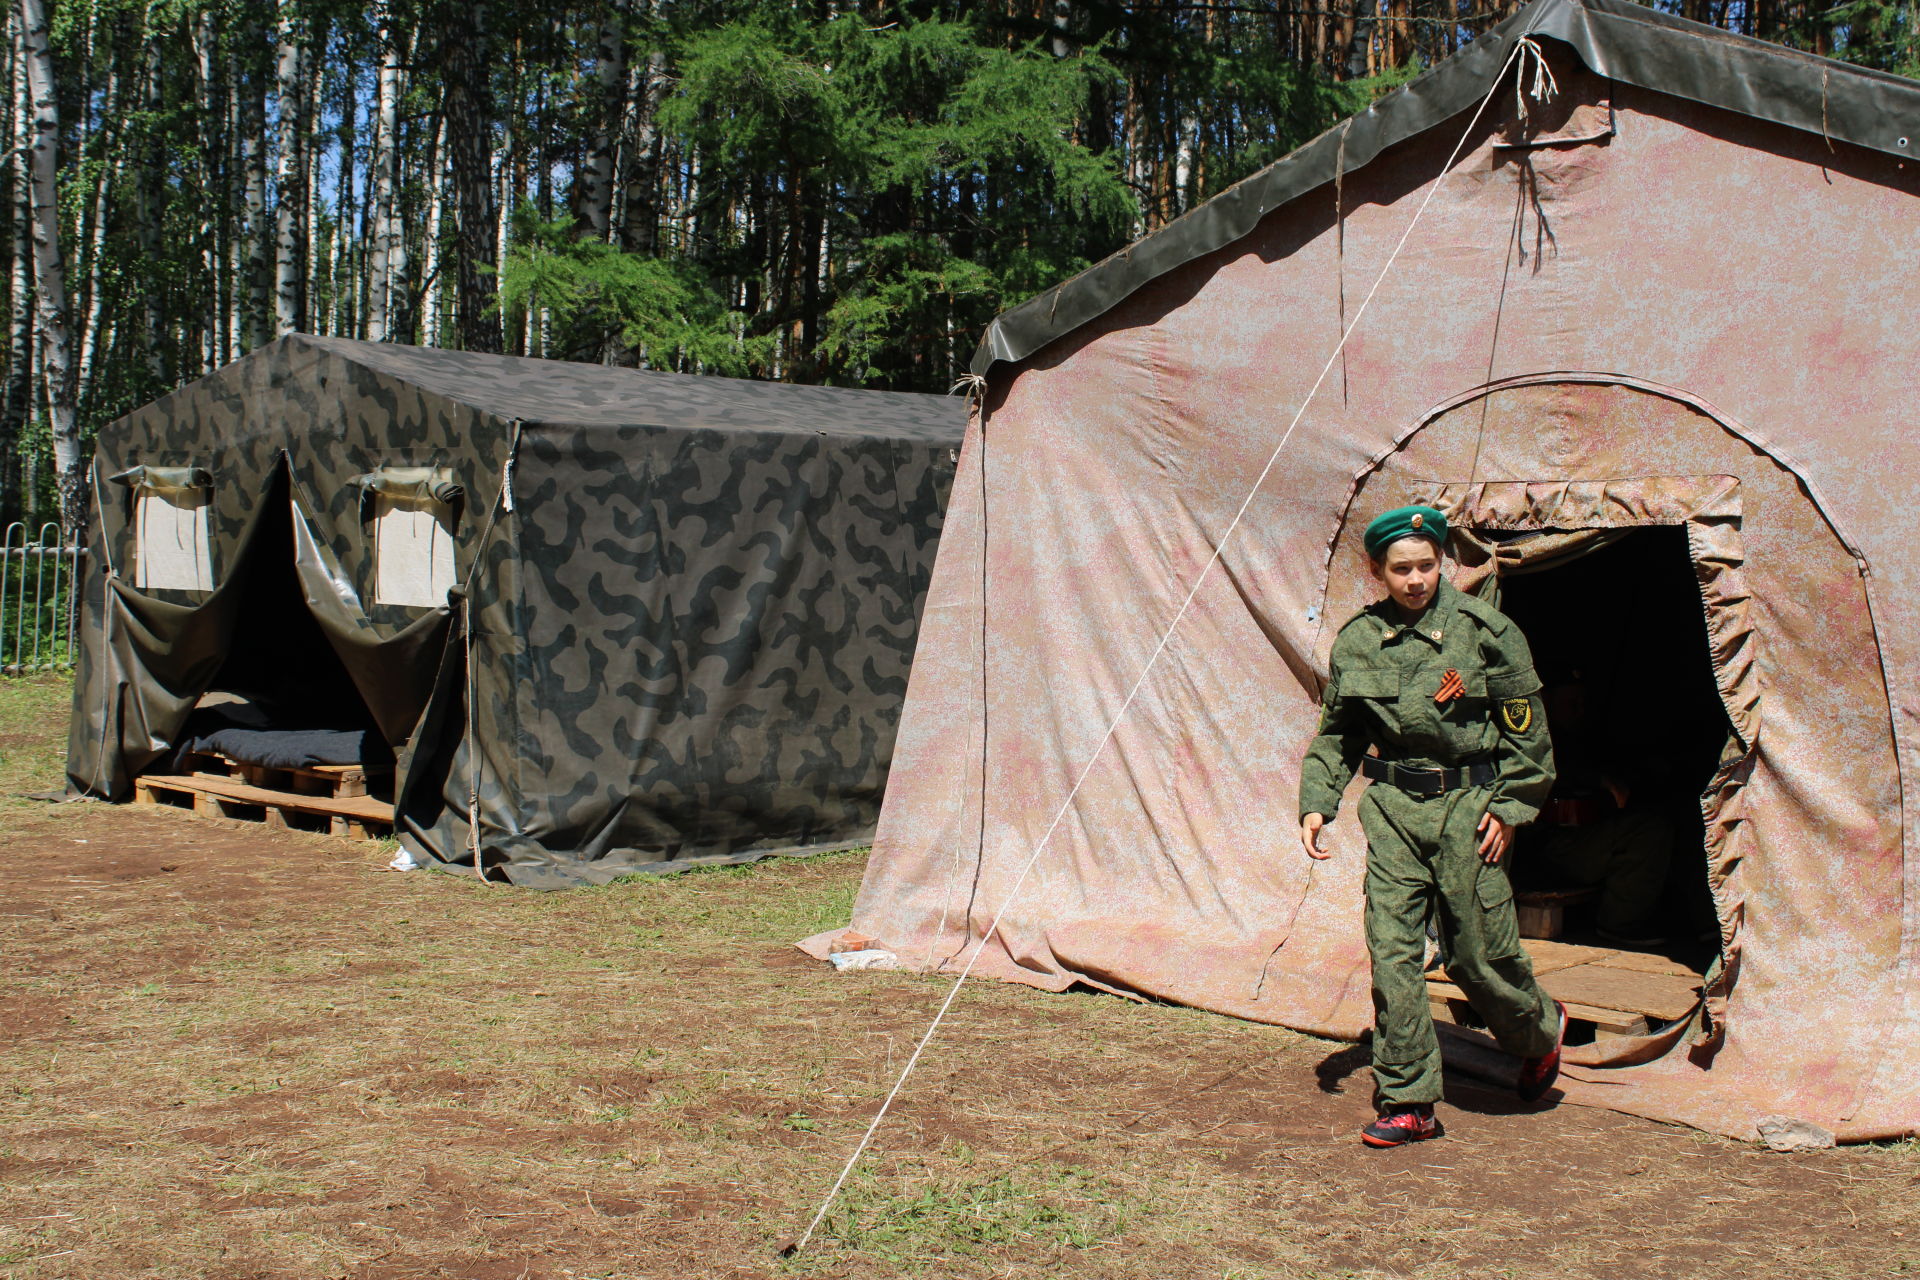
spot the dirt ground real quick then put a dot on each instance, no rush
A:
(235, 1053)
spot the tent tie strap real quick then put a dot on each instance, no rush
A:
(1544, 89)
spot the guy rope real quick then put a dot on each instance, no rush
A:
(1542, 87)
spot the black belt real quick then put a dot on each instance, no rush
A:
(1427, 782)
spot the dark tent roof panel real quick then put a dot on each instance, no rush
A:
(591, 395)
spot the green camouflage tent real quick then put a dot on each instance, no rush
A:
(605, 619)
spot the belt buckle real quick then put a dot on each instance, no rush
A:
(1421, 782)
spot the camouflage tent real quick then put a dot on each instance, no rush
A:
(1645, 288)
(607, 619)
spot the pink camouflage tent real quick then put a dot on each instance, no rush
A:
(1660, 301)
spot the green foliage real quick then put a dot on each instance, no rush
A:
(946, 162)
(1875, 33)
(598, 294)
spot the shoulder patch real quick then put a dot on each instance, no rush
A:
(1516, 714)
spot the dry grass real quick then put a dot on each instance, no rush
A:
(235, 1053)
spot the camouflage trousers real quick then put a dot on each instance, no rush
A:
(1423, 860)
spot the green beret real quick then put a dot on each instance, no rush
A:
(1389, 527)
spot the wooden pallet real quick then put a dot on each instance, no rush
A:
(1622, 993)
(337, 780)
(351, 816)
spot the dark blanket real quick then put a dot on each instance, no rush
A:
(250, 735)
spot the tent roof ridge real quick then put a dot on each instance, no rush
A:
(1619, 39)
(369, 355)
(567, 394)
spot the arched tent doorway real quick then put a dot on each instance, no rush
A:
(1806, 919)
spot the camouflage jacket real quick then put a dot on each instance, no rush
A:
(1388, 689)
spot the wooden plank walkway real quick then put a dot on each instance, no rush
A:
(1622, 993)
(350, 816)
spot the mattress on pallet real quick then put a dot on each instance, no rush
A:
(252, 733)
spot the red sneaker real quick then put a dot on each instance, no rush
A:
(1538, 1074)
(1401, 1125)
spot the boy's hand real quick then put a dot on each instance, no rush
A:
(1310, 836)
(1495, 836)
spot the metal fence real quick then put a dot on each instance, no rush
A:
(39, 599)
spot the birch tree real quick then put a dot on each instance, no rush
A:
(17, 396)
(55, 332)
(388, 262)
(609, 106)
(289, 171)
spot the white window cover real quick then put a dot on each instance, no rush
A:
(412, 551)
(170, 550)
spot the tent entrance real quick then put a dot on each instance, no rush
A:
(282, 733)
(1612, 880)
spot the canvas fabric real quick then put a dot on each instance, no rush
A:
(684, 609)
(1691, 315)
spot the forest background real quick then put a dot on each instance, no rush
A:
(813, 192)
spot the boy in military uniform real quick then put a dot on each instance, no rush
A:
(1442, 687)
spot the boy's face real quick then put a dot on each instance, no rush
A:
(1410, 571)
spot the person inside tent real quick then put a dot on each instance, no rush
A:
(1594, 830)
(1441, 688)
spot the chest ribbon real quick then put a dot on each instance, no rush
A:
(1450, 687)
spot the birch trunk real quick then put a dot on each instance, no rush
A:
(17, 400)
(288, 170)
(436, 218)
(312, 243)
(388, 249)
(55, 331)
(253, 161)
(595, 215)
(93, 243)
(214, 229)
(343, 263)
(1183, 164)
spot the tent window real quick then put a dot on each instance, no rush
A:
(412, 511)
(171, 550)
(412, 551)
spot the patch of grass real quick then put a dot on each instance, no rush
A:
(941, 1218)
(269, 1182)
(34, 714)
